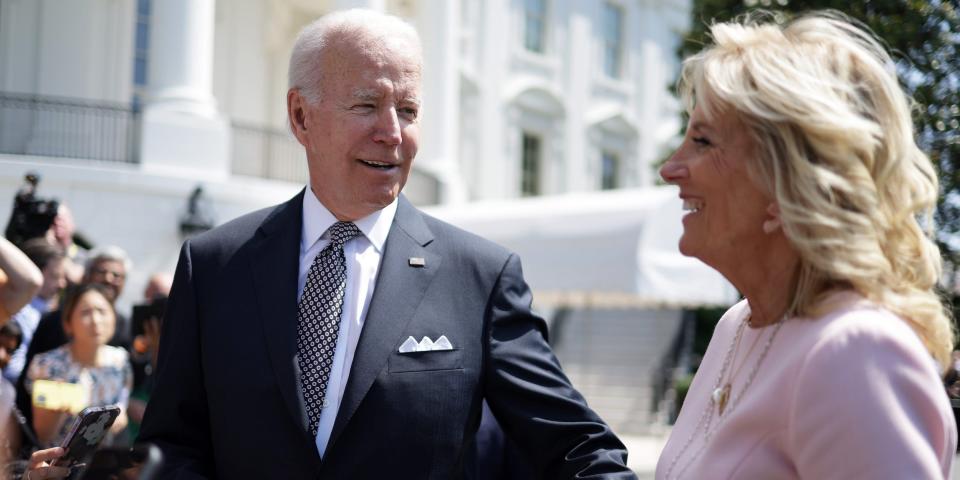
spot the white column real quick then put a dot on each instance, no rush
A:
(181, 56)
(497, 35)
(438, 23)
(580, 67)
(183, 133)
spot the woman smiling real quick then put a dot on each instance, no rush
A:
(805, 188)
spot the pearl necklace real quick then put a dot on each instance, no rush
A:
(721, 395)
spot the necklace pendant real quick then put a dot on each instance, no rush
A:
(720, 396)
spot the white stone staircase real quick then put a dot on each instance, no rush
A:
(611, 357)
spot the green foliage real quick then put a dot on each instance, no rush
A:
(924, 37)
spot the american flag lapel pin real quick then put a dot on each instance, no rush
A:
(417, 262)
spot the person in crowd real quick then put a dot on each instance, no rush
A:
(10, 338)
(107, 267)
(51, 261)
(805, 188)
(102, 371)
(147, 345)
(63, 233)
(158, 285)
(20, 280)
(344, 334)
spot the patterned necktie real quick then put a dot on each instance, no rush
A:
(318, 321)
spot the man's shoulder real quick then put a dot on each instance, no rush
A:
(463, 242)
(235, 233)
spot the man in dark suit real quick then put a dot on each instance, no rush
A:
(344, 334)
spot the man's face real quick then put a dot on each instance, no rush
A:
(54, 278)
(361, 136)
(111, 274)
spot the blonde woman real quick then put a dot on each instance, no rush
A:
(805, 188)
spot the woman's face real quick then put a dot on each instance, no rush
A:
(92, 321)
(726, 208)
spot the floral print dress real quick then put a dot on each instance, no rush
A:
(107, 384)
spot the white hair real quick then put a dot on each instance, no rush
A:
(109, 253)
(361, 25)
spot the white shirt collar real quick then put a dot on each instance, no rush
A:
(317, 219)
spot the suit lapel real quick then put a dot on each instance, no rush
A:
(398, 292)
(275, 266)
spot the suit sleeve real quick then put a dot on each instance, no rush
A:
(177, 419)
(867, 405)
(533, 399)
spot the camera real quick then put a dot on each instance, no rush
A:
(32, 216)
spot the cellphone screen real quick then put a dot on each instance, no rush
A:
(87, 433)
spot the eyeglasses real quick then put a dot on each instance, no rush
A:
(103, 272)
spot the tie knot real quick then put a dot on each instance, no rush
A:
(341, 232)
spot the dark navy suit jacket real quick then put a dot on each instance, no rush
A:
(227, 403)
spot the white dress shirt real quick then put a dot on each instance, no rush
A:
(362, 254)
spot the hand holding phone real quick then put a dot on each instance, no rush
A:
(88, 431)
(39, 465)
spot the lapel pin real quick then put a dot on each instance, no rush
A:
(418, 262)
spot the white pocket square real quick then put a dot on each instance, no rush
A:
(411, 345)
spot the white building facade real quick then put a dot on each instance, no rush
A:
(125, 106)
(521, 97)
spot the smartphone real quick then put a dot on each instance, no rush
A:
(87, 432)
(144, 312)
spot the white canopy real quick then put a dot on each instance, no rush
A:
(602, 249)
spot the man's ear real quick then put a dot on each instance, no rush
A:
(296, 114)
(772, 223)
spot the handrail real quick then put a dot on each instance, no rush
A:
(52, 126)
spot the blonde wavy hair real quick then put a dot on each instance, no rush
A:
(836, 143)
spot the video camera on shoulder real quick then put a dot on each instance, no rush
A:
(32, 216)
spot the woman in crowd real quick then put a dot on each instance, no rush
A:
(103, 371)
(805, 188)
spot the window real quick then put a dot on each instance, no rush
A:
(530, 166)
(140, 50)
(609, 170)
(612, 33)
(535, 25)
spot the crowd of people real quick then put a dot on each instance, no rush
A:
(63, 344)
(805, 188)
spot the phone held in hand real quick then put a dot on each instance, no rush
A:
(87, 432)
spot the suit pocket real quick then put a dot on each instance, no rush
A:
(426, 361)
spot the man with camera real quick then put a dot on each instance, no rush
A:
(35, 217)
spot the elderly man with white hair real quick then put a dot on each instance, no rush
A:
(345, 334)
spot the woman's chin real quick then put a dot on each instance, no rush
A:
(687, 247)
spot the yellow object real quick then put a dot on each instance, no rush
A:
(61, 396)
